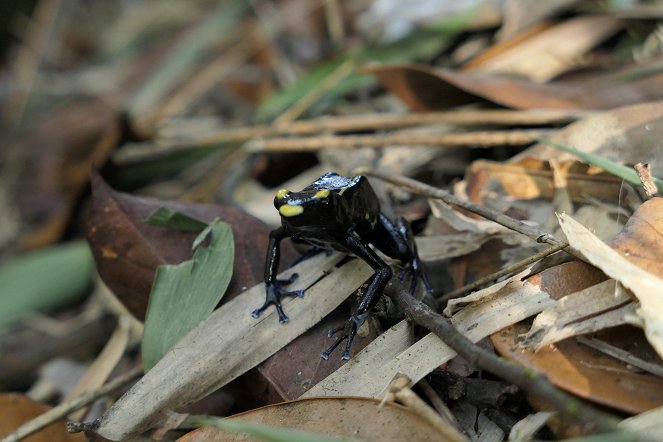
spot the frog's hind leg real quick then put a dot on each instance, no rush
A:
(397, 241)
(373, 289)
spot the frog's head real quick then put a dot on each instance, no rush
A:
(308, 207)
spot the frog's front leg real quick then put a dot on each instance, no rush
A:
(273, 286)
(374, 287)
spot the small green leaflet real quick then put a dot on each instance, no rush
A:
(264, 432)
(165, 217)
(45, 279)
(626, 173)
(184, 294)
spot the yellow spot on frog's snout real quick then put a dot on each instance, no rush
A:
(324, 193)
(288, 211)
(282, 193)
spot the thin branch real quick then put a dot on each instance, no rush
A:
(514, 268)
(432, 192)
(62, 410)
(190, 138)
(465, 139)
(590, 419)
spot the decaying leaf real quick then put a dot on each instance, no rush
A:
(229, 342)
(626, 134)
(536, 54)
(595, 308)
(18, 409)
(644, 285)
(348, 417)
(531, 178)
(587, 373)
(425, 88)
(128, 251)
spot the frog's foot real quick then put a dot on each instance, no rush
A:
(275, 292)
(348, 331)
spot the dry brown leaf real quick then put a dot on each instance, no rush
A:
(539, 56)
(530, 178)
(521, 14)
(644, 285)
(585, 311)
(350, 417)
(641, 240)
(586, 372)
(18, 409)
(424, 88)
(627, 134)
(215, 351)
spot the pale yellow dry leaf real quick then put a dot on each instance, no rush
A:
(645, 286)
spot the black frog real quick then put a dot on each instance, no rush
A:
(341, 213)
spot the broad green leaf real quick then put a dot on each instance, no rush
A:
(183, 294)
(626, 173)
(175, 220)
(45, 279)
(264, 432)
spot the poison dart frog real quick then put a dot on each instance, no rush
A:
(341, 213)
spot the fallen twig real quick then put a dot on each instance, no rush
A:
(432, 192)
(589, 418)
(512, 269)
(67, 407)
(465, 139)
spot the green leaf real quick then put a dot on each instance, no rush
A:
(420, 45)
(264, 432)
(175, 220)
(626, 173)
(184, 294)
(44, 280)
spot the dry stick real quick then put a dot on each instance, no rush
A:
(512, 269)
(68, 406)
(350, 124)
(591, 419)
(622, 355)
(466, 139)
(432, 192)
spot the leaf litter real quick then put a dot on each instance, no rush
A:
(182, 70)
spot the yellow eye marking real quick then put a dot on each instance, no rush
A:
(282, 193)
(288, 211)
(324, 193)
(343, 189)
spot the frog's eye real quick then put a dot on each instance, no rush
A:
(324, 193)
(282, 193)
